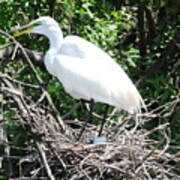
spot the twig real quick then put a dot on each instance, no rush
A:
(44, 159)
(19, 82)
(71, 110)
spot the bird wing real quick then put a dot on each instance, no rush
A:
(76, 46)
(103, 81)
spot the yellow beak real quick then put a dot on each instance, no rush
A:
(23, 32)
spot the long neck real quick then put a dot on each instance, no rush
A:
(55, 37)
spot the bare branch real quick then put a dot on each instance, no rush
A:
(45, 162)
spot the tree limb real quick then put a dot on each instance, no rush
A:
(141, 29)
(45, 162)
(6, 53)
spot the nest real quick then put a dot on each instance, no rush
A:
(129, 153)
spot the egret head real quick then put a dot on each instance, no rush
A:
(44, 25)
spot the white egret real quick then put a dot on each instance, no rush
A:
(85, 71)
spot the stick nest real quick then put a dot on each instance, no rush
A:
(128, 154)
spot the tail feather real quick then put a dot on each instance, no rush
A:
(130, 100)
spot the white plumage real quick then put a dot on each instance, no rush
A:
(85, 71)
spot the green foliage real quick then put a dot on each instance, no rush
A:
(2, 177)
(113, 27)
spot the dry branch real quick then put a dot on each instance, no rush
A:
(44, 159)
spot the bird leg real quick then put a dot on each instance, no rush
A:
(89, 119)
(103, 120)
(83, 104)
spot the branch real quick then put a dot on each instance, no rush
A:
(151, 25)
(45, 162)
(7, 51)
(141, 29)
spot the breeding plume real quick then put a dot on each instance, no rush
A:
(85, 71)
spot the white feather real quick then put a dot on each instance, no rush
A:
(86, 71)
